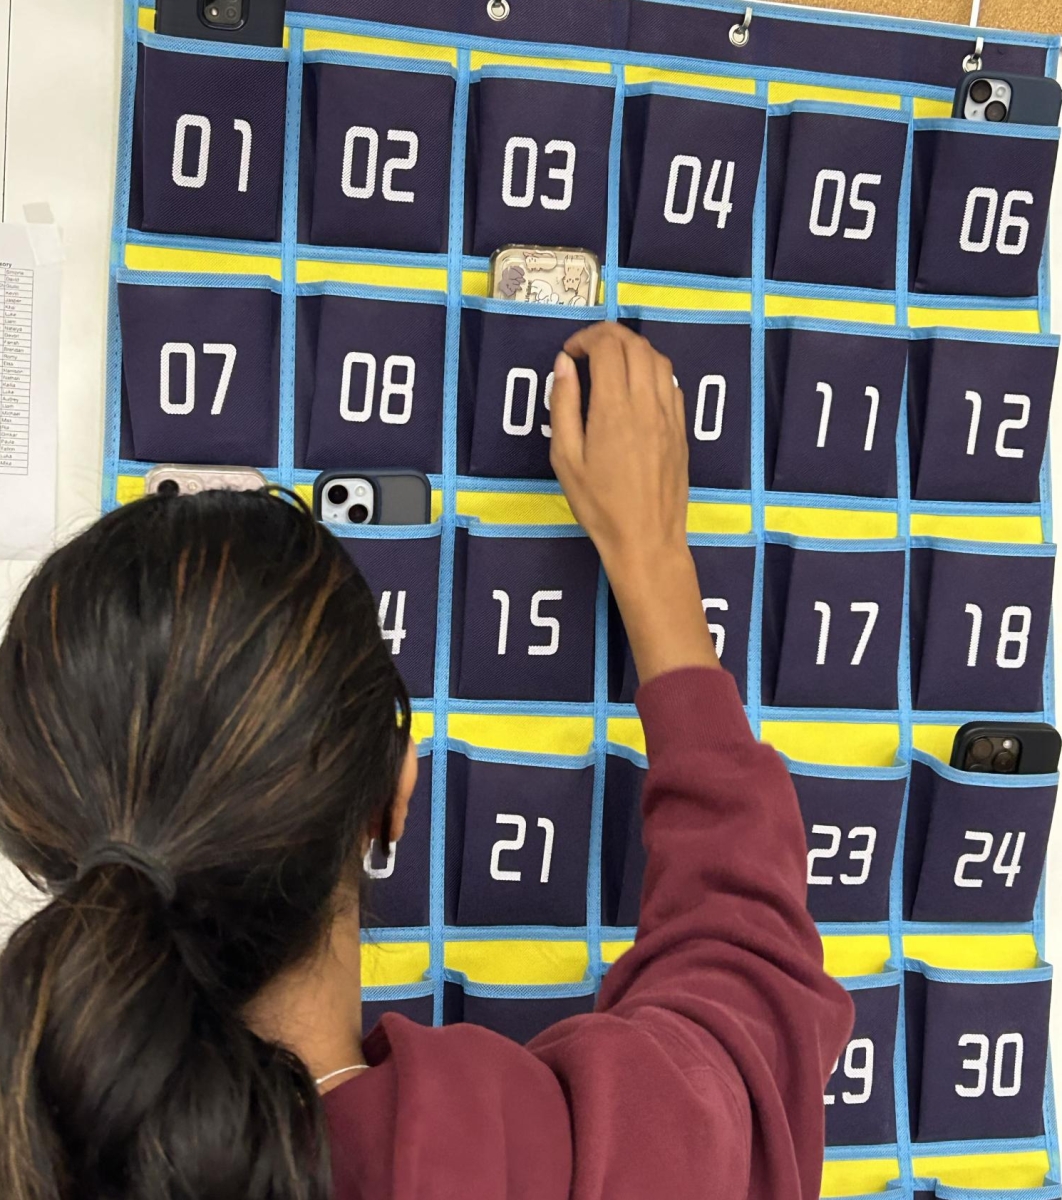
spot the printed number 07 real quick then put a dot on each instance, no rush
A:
(185, 350)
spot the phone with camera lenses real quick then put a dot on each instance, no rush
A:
(251, 22)
(1007, 748)
(354, 497)
(176, 479)
(1021, 99)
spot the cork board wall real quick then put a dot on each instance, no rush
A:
(1033, 16)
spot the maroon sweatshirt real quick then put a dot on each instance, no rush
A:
(701, 1074)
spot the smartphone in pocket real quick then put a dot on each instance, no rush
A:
(353, 497)
(996, 96)
(1007, 748)
(251, 22)
(177, 479)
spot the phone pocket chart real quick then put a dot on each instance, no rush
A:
(853, 289)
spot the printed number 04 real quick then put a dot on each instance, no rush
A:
(721, 206)
(185, 350)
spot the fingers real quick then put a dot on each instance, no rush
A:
(565, 414)
(603, 344)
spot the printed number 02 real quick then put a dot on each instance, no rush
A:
(519, 823)
(980, 1065)
(198, 180)
(1007, 636)
(852, 1071)
(1007, 221)
(721, 206)
(365, 189)
(828, 228)
(390, 388)
(185, 350)
(565, 174)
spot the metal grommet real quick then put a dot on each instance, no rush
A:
(498, 10)
(972, 62)
(739, 34)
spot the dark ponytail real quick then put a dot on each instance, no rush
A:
(197, 731)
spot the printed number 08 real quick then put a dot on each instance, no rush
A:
(390, 388)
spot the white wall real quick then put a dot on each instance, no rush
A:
(61, 139)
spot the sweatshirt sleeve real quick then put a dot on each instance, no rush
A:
(720, 1022)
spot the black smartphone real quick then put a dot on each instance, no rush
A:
(351, 497)
(252, 22)
(996, 96)
(1007, 748)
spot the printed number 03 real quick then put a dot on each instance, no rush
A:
(565, 174)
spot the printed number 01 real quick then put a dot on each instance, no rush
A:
(1007, 221)
(198, 180)
(185, 350)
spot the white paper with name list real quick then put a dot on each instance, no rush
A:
(30, 275)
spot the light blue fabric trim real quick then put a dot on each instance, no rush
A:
(863, 112)
(543, 74)
(520, 708)
(1038, 974)
(687, 279)
(516, 933)
(989, 780)
(478, 528)
(209, 245)
(112, 437)
(703, 93)
(616, 750)
(444, 630)
(404, 991)
(196, 279)
(520, 758)
(826, 291)
(385, 533)
(307, 251)
(368, 291)
(853, 328)
(998, 549)
(952, 334)
(964, 928)
(521, 991)
(836, 546)
(514, 308)
(827, 771)
(832, 500)
(683, 316)
(1040, 133)
(290, 225)
(1010, 1145)
(201, 46)
(379, 62)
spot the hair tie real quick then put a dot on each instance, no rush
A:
(122, 854)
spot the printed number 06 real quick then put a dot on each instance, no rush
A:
(1007, 221)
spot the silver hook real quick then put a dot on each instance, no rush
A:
(498, 10)
(972, 62)
(739, 34)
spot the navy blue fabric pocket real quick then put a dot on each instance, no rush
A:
(369, 383)
(974, 851)
(200, 374)
(688, 184)
(415, 1007)
(860, 1096)
(622, 852)
(518, 1013)
(208, 146)
(396, 895)
(375, 150)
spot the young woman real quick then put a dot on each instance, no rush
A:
(200, 733)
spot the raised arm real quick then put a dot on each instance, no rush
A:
(720, 1020)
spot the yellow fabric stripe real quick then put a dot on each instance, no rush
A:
(305, 490)
(1009, 320)
(610, 951)
(785, 93)
(317, 39)
(831, 522)
(422, 728)
(689, 79)
(858, 1177)
(924, 107)
(934, 739)
(165, 258)
(128, 487)
(146, 19)
(974, 951)
(515, 508)
(429, 279)
(845, 955)
(486, 58)
(830, 310)
(833, 743)
(387, 964)
(474, 283)
(978, 529)
(1017, 1169)
(719, 518)
(627, 731)
(533, 734)
(519, 961)
(652, 295)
